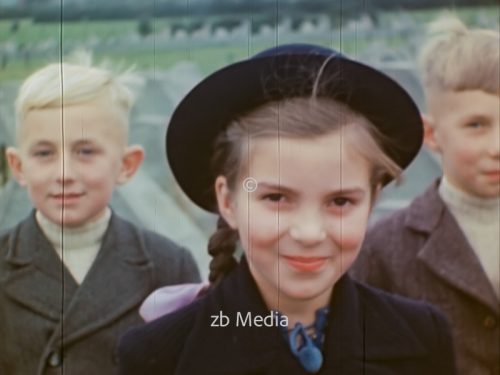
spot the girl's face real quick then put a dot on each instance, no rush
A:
(303, 225)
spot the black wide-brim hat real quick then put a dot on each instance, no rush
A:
(283, 72)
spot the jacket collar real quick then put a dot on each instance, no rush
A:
(426, 210)
(245, 350)
(458, 265)
(118, 280)
(36, 275)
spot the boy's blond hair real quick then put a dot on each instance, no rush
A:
(68, 83)
(456, 58)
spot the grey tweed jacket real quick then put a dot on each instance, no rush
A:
(50, 325)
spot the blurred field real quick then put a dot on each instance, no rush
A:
(30, 45)
(173, 61)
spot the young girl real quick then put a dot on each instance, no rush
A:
(291, 148)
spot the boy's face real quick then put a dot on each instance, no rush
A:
(303, 226)
(71, 160)
(464, 128)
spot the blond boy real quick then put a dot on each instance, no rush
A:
(73, 274)
(444, 247)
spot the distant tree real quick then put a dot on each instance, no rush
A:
(145, 26)
(176, 27)
(4, 170)
(193, 26)
(4, 60)
(14, 26)
(296, 23)
(228, 24)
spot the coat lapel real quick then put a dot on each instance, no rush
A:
(458, 265)
(118, 281)
(231, 349)
(363, 331)
(37, 278)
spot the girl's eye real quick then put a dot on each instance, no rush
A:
(341, 201)
(275, 197)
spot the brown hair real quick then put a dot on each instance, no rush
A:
(299, 117)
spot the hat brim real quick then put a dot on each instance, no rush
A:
(243, 86)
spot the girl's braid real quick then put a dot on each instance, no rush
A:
(221, 246)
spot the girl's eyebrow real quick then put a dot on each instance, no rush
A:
(355, 190)
(352, 191)
(275, 186)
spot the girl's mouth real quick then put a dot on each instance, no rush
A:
(306, 264)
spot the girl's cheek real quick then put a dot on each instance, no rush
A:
(348, 235)
(351, 239)
(264, 231)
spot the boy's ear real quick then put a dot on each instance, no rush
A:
(131, 161)
(430, 132)
(15, 164)
(225, 201)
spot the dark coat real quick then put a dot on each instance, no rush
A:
(370, 332)
(50, 325)
(420, 252)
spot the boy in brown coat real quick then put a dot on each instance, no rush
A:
(444, 248)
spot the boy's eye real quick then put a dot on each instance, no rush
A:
(85, 151)
(42, 153)
(475, 125)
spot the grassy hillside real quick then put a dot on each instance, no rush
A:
(32, 45)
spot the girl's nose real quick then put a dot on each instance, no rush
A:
(309, 230)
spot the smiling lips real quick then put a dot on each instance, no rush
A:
(305, 264)
(493, 174)
(67, 198)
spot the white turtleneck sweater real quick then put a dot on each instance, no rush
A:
(77, 247)
(479, 219)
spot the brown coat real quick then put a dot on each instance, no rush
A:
(49, 325)
(420, 252)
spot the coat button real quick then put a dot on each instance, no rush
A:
(54, 359)
(489, 322)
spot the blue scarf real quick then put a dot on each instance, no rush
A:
(307, 348)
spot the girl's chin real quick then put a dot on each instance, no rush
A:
(304, 295)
